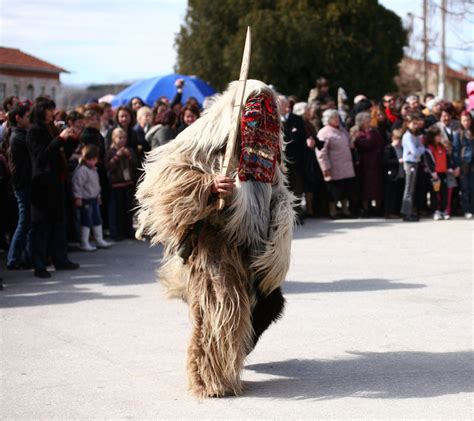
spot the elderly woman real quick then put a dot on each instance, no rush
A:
(335, 159)
(370, 146)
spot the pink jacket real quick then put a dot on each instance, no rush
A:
(336, 154)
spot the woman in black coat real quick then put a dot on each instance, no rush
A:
(49, 154)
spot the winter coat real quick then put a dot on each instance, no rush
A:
(391, 164)
(20, 162)
(295, 137)
(370, 146)
(85, 182)
(49, 156)
(335, 154)
(122, 169)
(463, 148)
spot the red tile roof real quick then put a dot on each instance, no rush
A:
(12, 58)
(450, 72)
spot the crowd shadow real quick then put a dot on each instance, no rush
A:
(372, 375)
(321, 227)
(346, 285)
(120, 266)
(15, 300)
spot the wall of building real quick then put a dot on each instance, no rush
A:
(28, 87)
(411, 71)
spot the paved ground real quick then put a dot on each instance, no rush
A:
(378, 325)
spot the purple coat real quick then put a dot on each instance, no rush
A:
(336, 153)
(370, 146)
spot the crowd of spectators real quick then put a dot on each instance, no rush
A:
(397, 157)
(67, 176)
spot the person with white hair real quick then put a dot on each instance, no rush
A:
(144, 123)
(335, 159)
(434, 108)
(370, 147)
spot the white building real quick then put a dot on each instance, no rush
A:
(27, 77)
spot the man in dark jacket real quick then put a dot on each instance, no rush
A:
(295, 139)
(20, 247)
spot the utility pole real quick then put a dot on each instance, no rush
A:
(442, 64)
(425, 46)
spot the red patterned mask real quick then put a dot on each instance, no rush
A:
(260, 131)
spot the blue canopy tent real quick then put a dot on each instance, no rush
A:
(149, 90)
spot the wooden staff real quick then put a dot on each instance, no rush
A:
(238, 103)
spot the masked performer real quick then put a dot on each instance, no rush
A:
(227, 265)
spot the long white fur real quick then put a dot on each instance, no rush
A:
(247, 219)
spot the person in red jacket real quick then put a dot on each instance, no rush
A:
(436, 160)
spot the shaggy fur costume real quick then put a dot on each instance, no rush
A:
(240, 256)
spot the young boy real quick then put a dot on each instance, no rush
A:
(86, 191)
(394, 175)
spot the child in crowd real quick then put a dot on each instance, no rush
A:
(86, 192)
(122, 165)
(436, 162)
(413, 150)
(394, 175)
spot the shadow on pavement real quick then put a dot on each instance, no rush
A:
(380, 375)
(320, 227)
(346, 285)
(125, 264)
(12, 300)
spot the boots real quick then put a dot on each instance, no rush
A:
(85, 245)
(99, 239)
(332, 210)
(345, 208)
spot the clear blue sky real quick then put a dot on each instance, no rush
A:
(121, 40)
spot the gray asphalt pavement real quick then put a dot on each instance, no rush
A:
(378, 325)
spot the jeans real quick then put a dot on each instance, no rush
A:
(90, 213)
(20, 246)
(409, 192)
(467, 191)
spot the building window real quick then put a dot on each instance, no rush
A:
(43, 91)
(3, 91)
(30, 92)
(16, 90)
(53, 93)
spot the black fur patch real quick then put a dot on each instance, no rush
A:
(267, 310)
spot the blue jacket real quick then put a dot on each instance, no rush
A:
(413, 150)
(462, 148)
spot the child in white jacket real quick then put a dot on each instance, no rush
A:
(86, 191)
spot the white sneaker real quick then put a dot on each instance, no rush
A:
(437, 216)
(446, 216)
(468, 215)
